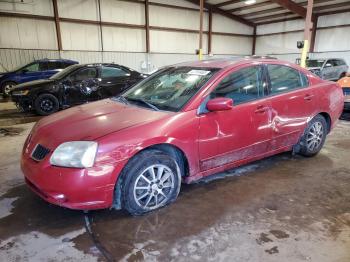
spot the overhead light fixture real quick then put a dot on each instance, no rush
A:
(250, 2)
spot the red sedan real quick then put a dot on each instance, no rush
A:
(181, 124)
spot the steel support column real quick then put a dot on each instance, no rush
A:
(201, 11)
(313, 34)
(147, 25)
(307, 33)
(210, 33)
(57, 24)
(254, 41)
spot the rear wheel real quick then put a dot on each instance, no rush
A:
(46, 104)
(314, 136)
(151, 181)
(6, 87)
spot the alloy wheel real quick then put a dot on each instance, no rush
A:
(315, 136)
(46, 105)
(154, 186)
(7, 88)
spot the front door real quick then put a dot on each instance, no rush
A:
(81, 86)
(242, 132)
(31, 72)
(292, 103)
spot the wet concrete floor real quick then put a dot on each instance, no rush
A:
(284, 208)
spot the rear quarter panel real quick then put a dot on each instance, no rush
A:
(329, 99)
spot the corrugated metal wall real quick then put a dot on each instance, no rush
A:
(121, 45)
(333, 42)
(23, 40)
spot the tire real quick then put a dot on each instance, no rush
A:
(6, 87)
(314, 136)
(143, 192)
(46, 104)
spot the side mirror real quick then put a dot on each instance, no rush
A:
(328, 65)
(220, 104)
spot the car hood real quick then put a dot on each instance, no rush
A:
(32, 84)
(91, 121)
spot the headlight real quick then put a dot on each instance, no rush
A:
(20, 93)
(79, 154)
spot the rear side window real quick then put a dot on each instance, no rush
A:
(108, 71)
(284, 79)
(340, 62)
(55, 65)
(84, 74)
(241, 86)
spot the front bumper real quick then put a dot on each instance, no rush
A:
(22, 102)
(83, 189)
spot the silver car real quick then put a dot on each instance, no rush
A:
(328, 69)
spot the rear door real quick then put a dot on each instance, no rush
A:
(292, 103)
(114, 80)
(242, 132)
(52, 68)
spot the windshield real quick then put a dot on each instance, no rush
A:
(170, 89)
(65, 72)
(314, 63)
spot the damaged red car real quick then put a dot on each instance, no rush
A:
(181, 124)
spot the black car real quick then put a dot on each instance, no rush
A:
(77, 84)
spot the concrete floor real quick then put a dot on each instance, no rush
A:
(283, 208)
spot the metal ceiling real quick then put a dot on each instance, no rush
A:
(269, 11)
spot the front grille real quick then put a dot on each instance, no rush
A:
(40, 152)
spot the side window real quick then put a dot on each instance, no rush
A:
(55, 65)
(34, 67)
(84, 74)
(332, 62)
(42, 66)
(339, 62)
(108, 71)
(284, 78)
(241, 86)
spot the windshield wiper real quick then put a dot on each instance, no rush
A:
(144, 102)
(121, 99)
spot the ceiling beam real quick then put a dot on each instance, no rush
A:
(291, 6)
(243, 8)
(317, 9)
(270, 17)
(277, 9)
(278, 21)
(228, 3)
(223, 12)
(332, 6)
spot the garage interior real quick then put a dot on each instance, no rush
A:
(283, 208)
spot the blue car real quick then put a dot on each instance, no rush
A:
(38, 69)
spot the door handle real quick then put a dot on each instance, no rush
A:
(308, 97)
(261, 109)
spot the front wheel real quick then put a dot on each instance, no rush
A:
(151, 181)
(46, 104)
(314, 136)
(6, 88)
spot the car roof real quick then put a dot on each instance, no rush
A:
(322, 58)
(227, 62)
(103, 64)
(58, 59)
